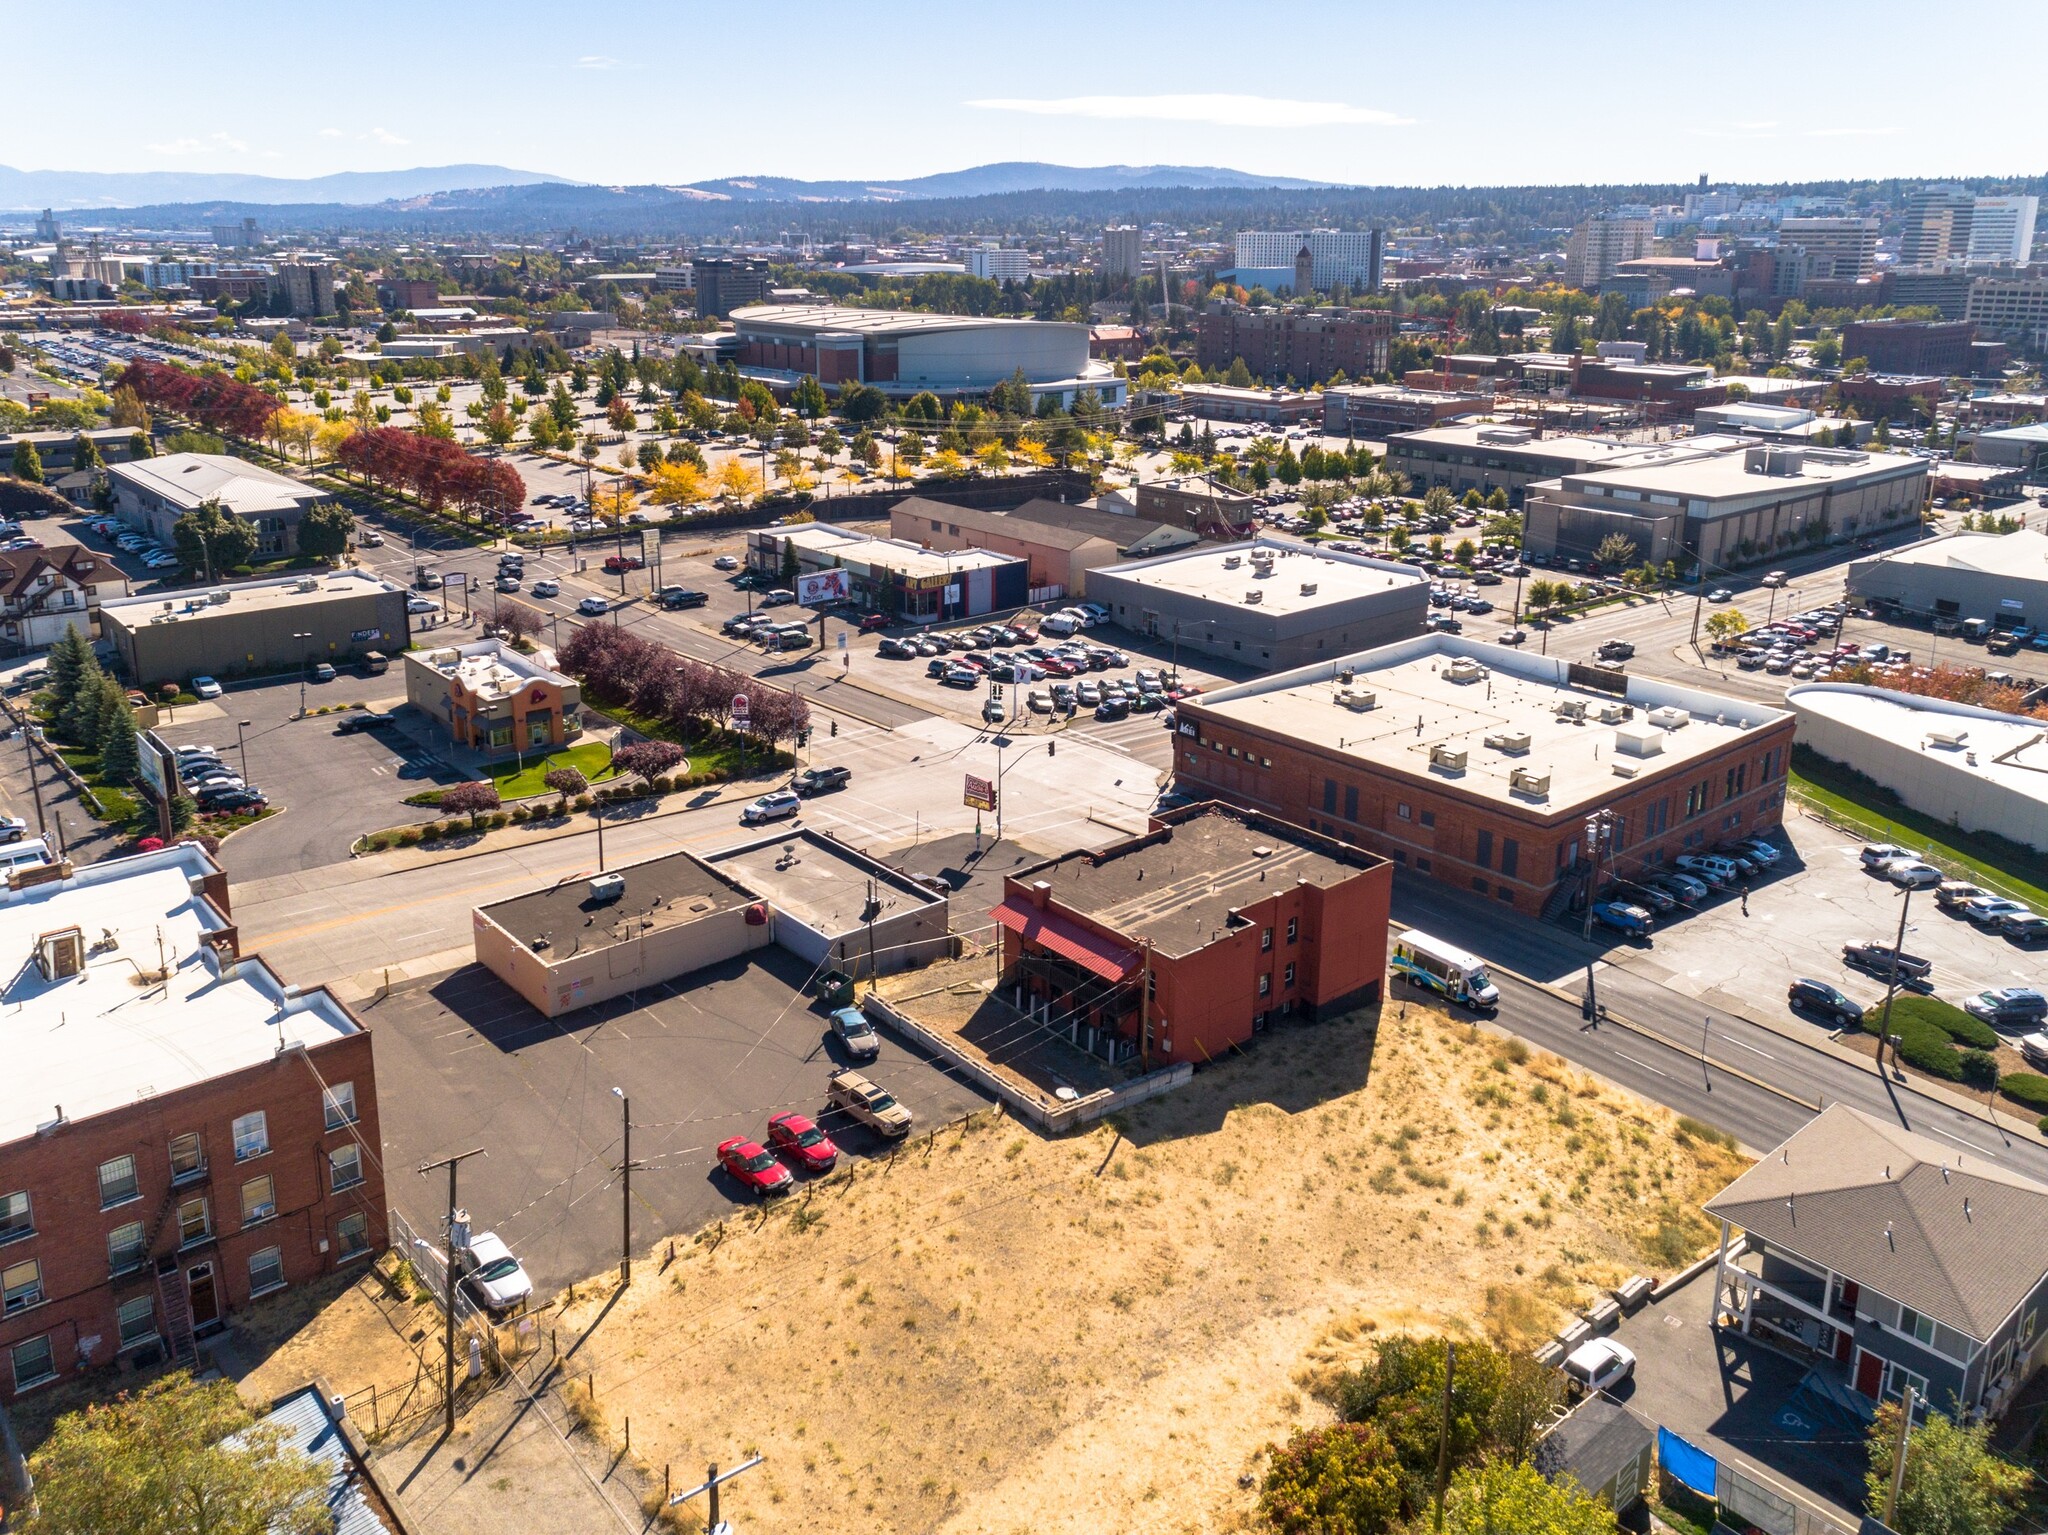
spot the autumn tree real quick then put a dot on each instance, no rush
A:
(676, 484)
(1343, 1479)
(1726, 625)
(1502, 1497)
(475, 800)
(736, 480)
(567, 782)
(648, 760)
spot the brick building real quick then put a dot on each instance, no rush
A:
(1187, 941)
(180, 1132)
(1306, 345)
(492, 699)
(1479, 765)
(1911, 346)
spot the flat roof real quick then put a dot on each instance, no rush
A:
(1248, 394)
(1401, 392)
(1224, 573)
(104, 1038)
(187, 479)
(670, 891)
(1717, 468)
(1177, 886)
(890, 553)
(1511, 437)
(821, 884)
(876, 322)
(1422, 702)
(309, 590)
(2009, 751)
(488, 668)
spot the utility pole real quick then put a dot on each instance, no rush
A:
(1891, 1496)
(1891, 981)
(1443, 1442)
(870, 912)
(625, 1173)
(1145, 1007)
(710, 1486)
(35, 784)
(448, 1273)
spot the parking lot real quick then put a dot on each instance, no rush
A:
(464, 1062)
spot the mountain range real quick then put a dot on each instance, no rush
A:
(114, 189)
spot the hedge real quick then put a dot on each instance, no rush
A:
(1950, 1019)
(2028, 1087)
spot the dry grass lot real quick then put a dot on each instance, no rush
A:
(1005, 1333)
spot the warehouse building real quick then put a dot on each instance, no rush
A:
(1268, 603)
(834, 908)
(1184, 943)
(1973, 768)
(256, 628)
(1999, 576)
(1479, 765)
(1726, 501)
(1493, 455)
(1061, 542)
(894, 576)
(903, 353)
(150, 494)
(2024, 448)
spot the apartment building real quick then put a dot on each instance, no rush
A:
(1306, 345)
(999, 264)
(2014, 307)
(1350, 258)
(1600, 244)
(1122, 250)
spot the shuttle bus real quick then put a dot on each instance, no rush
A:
(1441, 967)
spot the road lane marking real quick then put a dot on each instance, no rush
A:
(1644, 1064)
(1961, 1142)
(1738, 1044)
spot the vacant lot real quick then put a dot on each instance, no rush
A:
(999, 1332)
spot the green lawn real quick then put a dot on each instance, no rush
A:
(1860, 805)
(593, 759)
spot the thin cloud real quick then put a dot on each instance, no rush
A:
(385, 136)
(1222, 110)
(192, 146)
(227, 141)
(597, 61)
(332, 133)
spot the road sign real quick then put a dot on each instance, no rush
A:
(980, 794)
(740, 711)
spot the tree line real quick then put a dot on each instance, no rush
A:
(689, 698)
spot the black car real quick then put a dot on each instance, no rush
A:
(233, 800)
(364, 719)
(1824, 1002)
(821, 780)
(1112, 709)
(682, 597)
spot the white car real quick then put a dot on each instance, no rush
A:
(546, 587)
(205, 687)
(772, 807)
(593, 607)
(418, 605)
(494, 1276)
(1600, 1364)
(726, 562)
(1877, 854)
(1913, 874)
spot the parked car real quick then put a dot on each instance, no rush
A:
(492, 1275)
(1951, 894)
(775, 806)
(233, 801)
(1600, 1364)
(1877, 957)
(777, 596)
(2035, 1048)
(2024, 928)
(1824, 1002)
(1988, 910)
(803, 1142)
(870, 622)
(323, 672)
(1877, 854)
(2008, 1007)
(1622, 917)
(750, 1163)
(1757, 850)
(726, 562)
(1715, 871)
(205, 687)
(12, 828)
(862, 1101)
(851, 1028)
(364, 719)
(821, 780)
(1912, 874)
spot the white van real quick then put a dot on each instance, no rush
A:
(20, 855)
(1059, 623)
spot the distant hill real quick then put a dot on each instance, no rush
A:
(127, 189)
(986, 181)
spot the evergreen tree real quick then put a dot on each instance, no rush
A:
(119, 759)
(70, 661)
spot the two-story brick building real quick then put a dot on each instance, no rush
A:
(180, 1131)
(1479, 765)
(1187, 941)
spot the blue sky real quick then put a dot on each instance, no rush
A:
(1470, 91)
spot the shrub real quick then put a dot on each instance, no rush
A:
(431, 832)
(1980, 1068)
(1340, 1478)
(411, 836)
(583, 802)
(519, 815)
(2030, 1088)
(495, 820)
(663, 784)
(1928, 1048)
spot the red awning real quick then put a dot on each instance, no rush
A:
(1069, 940)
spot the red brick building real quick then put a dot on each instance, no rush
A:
(180, 1132)
(1306, 345)
(1911, 346)
(1187, 941)
(1479, 766)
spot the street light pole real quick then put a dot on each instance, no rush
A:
(304, 662)
(242, 746)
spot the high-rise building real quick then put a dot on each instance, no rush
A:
(2002, 230)
(1601, 244)
(1937, 228)
(1347, 257)
(47, 227)
(2015, 307)
(728, 283)
(308, 286)
(999, 264)
(1122, 251)
(1836, 249)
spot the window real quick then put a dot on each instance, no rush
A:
(259, 1200)
(352, 1235)
(252, 1136)
(1483, 851)
(1897, 1378)
(117, 1182)
(537, 730)
(1288, 979)
(1917, 1326)
(1429, 818)
(137, 1319)
(194, 1225)
(1266, 985)
(266, 1271)
(1293, 928)
(1351, 802)
(188, 1157)
(33, 1363)
(341, 1104)
(1329, 796)
(21, 1286)
(1265, 940)
(1510, 856)
(346, 1163)
(16, 1219)
(1402, 812)
(1265, 762)
(124, 1247)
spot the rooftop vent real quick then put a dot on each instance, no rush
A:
(1464, 669)
(1669, 718)
(1950, 736)
(1254, 596)
(1638, 741)
(1570, 709)
(1509, 741)
(1627, 769)
(1360, 699)
(1530, 782)
(607, 887)
(1450, 758)
(1232, 561)
(1308, 588)
(1262, 851)
(1614, 714)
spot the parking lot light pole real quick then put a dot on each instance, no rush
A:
(242, 746)
(305, 662)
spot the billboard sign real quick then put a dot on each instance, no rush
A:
(980, 794)
(456, 578)
(821, 587)
(155, 757)
(650, 546)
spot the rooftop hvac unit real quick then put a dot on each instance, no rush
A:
(1947, 735)
(217, 596)
(1254, 596)
(1670, 718)
(1638, 741)
(1614, 714)
(1450, 758)
(1232, 561)
(1509, 741)
(1346, 673)
(1464, 669)
(1530, 782)
(306, 584)
(1308, 588)
(1626, 769)
(1360, 699)
(607, 887)
(1570, 709)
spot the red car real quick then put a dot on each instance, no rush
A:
(795, 1136)
(617, 563)
(756, 1170)
(874, 621)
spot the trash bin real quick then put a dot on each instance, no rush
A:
(835, 989)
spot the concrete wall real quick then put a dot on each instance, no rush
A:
(557, 985)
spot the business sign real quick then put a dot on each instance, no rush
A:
(1187, 730)
(154, 757)
(741, 711)
(822, 587)
(456, 578)
(980, 794)
(650, 546)
(357, 636)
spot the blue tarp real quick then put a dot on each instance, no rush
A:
(1694, 1467)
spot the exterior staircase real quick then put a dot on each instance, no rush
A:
(176, 1309)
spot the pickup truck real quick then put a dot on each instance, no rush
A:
(1876, 957)
(868, 1104)
(820, 780)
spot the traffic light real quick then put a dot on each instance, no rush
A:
(803, 737)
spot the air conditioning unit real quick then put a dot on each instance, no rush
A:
(607, 887)
(1530, 782)
(1360, 699)
(1232, 561)
(306, 584)
(217, 596)
(1509, 741)
(1638, 741)
(1450, 758)
(1308, 588)
(1254, 596)
(1947, 735)
(1670, 718)
(1464, 669)
(1570, 709)
(1614, 714)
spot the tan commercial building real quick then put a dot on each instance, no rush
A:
(1061, 542)
(492, 699)
(151, 494)
(257, 628)
(1601, 244)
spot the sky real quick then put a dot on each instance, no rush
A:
(1373, 92)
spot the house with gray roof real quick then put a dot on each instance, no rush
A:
(1889, 1260)
(355, 1499)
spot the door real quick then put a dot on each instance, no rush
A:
(1845, 1345)
(1851, 1292)
(1869, 1375)
(205, 1302)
